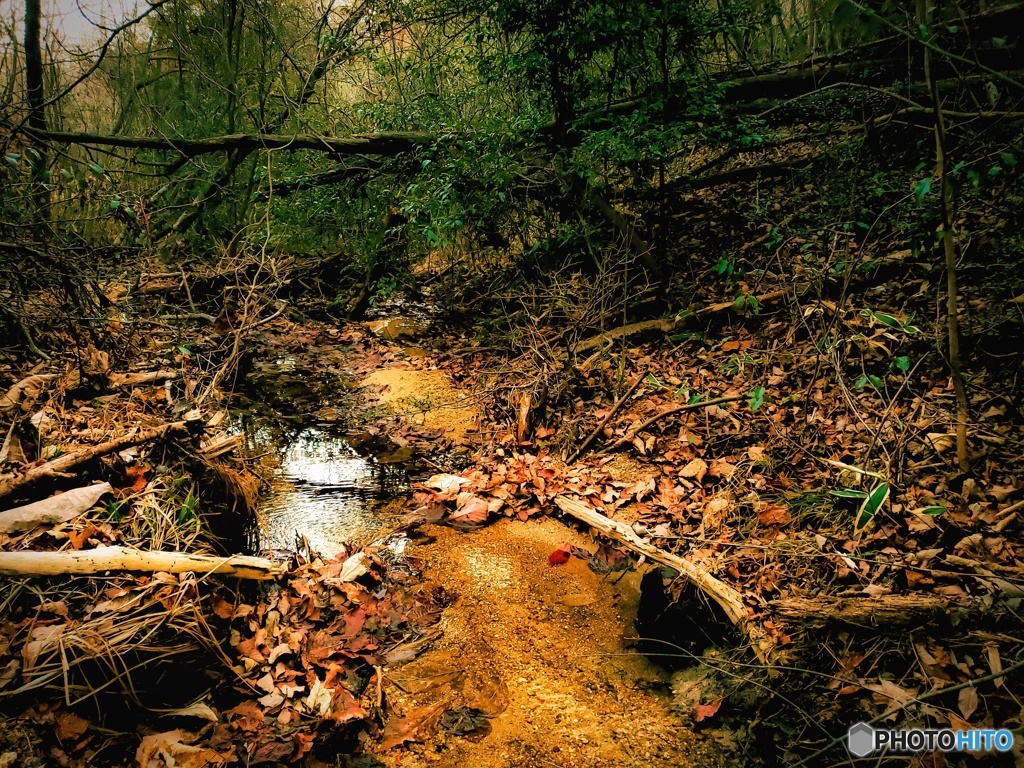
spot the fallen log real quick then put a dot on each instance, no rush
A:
(128, 380)
(14, 482)
(893, 612)
(53, 510)
(102, 559)
(661, 324)
(728, 598)
(628, 437)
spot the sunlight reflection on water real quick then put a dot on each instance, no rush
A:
(327, 492)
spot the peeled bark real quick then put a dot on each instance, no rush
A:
(102, 559)
(53, 510)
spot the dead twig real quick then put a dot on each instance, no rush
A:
(15, 482)
(608, 417)
(628, 437)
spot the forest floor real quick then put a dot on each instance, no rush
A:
(473, 626)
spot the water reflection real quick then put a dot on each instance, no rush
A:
(324, 490)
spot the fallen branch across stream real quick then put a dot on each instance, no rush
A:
(728, 598)
(102, 559)
(53, 468)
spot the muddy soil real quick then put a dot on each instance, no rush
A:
(544, 648)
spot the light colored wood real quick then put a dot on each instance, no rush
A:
(102, 559)
(665, 326)
(728, 598)
(722, 593)
(53, 510)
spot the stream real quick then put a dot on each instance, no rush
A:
(543, 653)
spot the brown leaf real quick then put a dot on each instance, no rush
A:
(773, 514)
(491, 696)
(70, 727)
(169, 750)
(967, 701)
(135, 478)
(470, 508)
(222, 607)
(402, 729)
(78, 538)
(695, 469)
(272, 752)
(303, 745)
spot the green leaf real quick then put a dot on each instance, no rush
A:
(13, 158)
(652, 381)
(876, 382)
(1008, 158)
(902, 363)
(849, 493)
(860, 383)
(924, 186)
(115, 204)
(872, 504)
(65, 174)
(756, 398)
(97, 169)
(933, 511)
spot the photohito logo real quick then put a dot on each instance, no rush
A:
(862, 740)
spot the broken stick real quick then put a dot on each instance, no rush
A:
(628, 437)
(94, 561)
(15, 482)
(614, 409)
(728, 598)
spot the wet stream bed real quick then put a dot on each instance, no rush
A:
(538, 660)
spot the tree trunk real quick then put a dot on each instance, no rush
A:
(36, 101)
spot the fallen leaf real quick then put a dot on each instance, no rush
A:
(561, 555)
(695, 469)
(773, 514)
(303, 745)
(399, 730)
(135, 478)
(53, 510)
(703, 712)
(70, 727)
(170, 750)
(272, 752)
(967, 702)
(470, 508)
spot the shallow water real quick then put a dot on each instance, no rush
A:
(324, 490)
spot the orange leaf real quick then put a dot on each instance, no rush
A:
(702, 712)
(773, 514)
(136, 478)
(78, 538)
